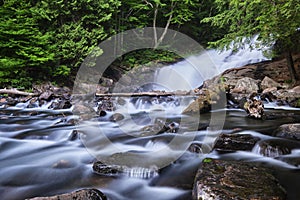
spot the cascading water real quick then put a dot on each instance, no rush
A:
(190, 73)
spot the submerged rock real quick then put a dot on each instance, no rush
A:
(235, 142)
(85, 194)
(116, 117)
(289, 131)
(220, 179)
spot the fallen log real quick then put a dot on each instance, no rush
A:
(149, 94)
(17, 92)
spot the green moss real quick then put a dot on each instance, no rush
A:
(207, 160)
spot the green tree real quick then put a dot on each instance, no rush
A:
(76, 27)
(25, 52)
(274, 21)
(157, 13)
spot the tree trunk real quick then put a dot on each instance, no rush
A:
(291, 67)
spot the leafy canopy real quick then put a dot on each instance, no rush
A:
(273, 20)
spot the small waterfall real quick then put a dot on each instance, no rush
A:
(140, 172)
(191, 72)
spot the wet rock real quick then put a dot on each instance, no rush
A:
(116, 117)
(121, 170)
(289, 131)
(290, 159)
(202, 104)
(275, 147)
(292, 96)
(219, 179)
(60, 104)
(267, 82)
(85, 194)
(195, 148)
(107, 170)
(269, 94)
(235, 142)
(11, 101)
(254, 108)
(84, 111)
(246, 85)
(160, 126)
(105, 104)
(46, 95)
(199, 148)
(74, 135)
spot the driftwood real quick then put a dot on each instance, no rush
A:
(17, 92)
(149, 94)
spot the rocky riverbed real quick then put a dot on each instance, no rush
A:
(219, 175)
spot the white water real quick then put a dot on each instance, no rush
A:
(190, 73)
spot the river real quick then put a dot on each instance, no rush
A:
(44, 153)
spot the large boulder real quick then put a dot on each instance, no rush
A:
(235, 142)
(220, 179)
(291, 96)
(274, 147)
(289, 131)
(246, 85)
(267, 82)
(85, 194)
(201, 104)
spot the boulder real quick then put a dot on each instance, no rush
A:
(86, 194)
(206, 99)
(220, 179)
(268, 83)
(254, 108)
(103, 169)
(235, 142)
(291, 97)
(247, 85)
(274, 147)
(116, 117)
(289, 131)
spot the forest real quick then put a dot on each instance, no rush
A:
(45, 40)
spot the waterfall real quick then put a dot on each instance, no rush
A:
(191, 72)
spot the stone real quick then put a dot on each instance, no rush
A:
(254, 108)
(246, 85)
(235, 142)
(220, 179)
(116, 117)
(274, 147)
(269, 83)
(85, 194)
(288, 131)
(202, 104)
(295, 90)
(107, 170)
(269, 90)
(120, 170)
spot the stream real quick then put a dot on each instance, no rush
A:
(44, 153)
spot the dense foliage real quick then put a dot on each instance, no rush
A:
(48, 40)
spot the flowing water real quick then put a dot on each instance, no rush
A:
(43, 153)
